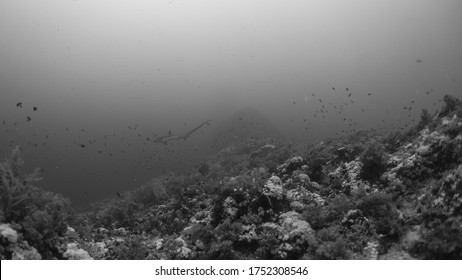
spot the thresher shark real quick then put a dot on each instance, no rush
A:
(170, 137)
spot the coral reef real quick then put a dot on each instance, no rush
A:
(361, 196)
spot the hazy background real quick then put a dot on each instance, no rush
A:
(93, 68)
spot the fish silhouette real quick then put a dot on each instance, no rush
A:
(170, 137)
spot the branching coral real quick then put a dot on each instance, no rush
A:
(14, 187)
(41, 215)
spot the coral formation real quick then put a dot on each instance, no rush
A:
(8, 233)
(73, 252)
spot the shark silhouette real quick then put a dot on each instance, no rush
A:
(165, 139)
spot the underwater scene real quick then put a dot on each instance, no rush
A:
(214, 129)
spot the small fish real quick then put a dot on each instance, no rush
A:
(82, 146)
(369, 94)
(28, 119)
(418, 60)
(347, 89)
(35, 108)
(349, 95)
(19, 104)
(333, 88)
